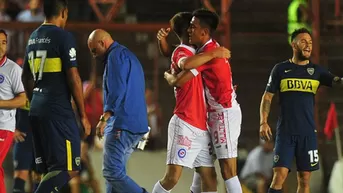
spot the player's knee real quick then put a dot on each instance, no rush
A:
(36, 177)
(228, 168)
(73, 174)
(304, 179)
(22, 174)
(208, 178)
(171, 177)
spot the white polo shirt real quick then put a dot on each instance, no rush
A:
(10, 86)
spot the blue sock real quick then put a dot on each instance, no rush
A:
(53, 182)
(19, 185)
(271, 190)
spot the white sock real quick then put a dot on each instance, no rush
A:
(196, 184)
(159, 189)
(233, 185)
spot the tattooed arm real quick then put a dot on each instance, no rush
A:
(265, 131)
(265, 107)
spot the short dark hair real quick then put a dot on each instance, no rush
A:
(299, 31)
(3, 32)
(52, 8)
(207, 18)
(180, 22)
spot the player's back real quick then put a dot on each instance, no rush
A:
(190, 99)
(50, 53)
(217, 77)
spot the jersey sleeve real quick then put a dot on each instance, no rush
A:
(326, 78)
(273, 84)
(181, 54)
(17, 85)
(68, 51)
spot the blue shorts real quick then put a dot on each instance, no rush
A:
(303, 148)
(23, 156)
(57, 144)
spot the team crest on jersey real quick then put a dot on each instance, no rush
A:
(182, 153)
(310, 71)
(2, 78)
(276, 158)
(77, 161)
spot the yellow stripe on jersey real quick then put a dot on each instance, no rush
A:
(300, 85)
(69, 156)
(50, 65)
(27, 105)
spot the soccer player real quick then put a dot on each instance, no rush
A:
(125, 120)
(188, 137)
(12, 96)
(297, 81)
(225, 115)
(50, 77)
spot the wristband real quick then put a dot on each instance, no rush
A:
(263, 123)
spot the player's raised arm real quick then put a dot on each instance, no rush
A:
(200, 59)
(163, 45)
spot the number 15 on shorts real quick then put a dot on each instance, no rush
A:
(314, 158)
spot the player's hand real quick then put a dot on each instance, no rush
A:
(163, 33)
(265, 132)
(171, 79)
(221, 52)
(19, 136)
(86, 126)
(100, 129)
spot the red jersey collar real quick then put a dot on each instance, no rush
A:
(202, 47)
(3, 61)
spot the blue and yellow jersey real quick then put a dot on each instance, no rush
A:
(297, 86)
(50, 52)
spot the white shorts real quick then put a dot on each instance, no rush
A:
(225, 128)
(188, 146)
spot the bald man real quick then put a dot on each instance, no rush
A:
(124, 121)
